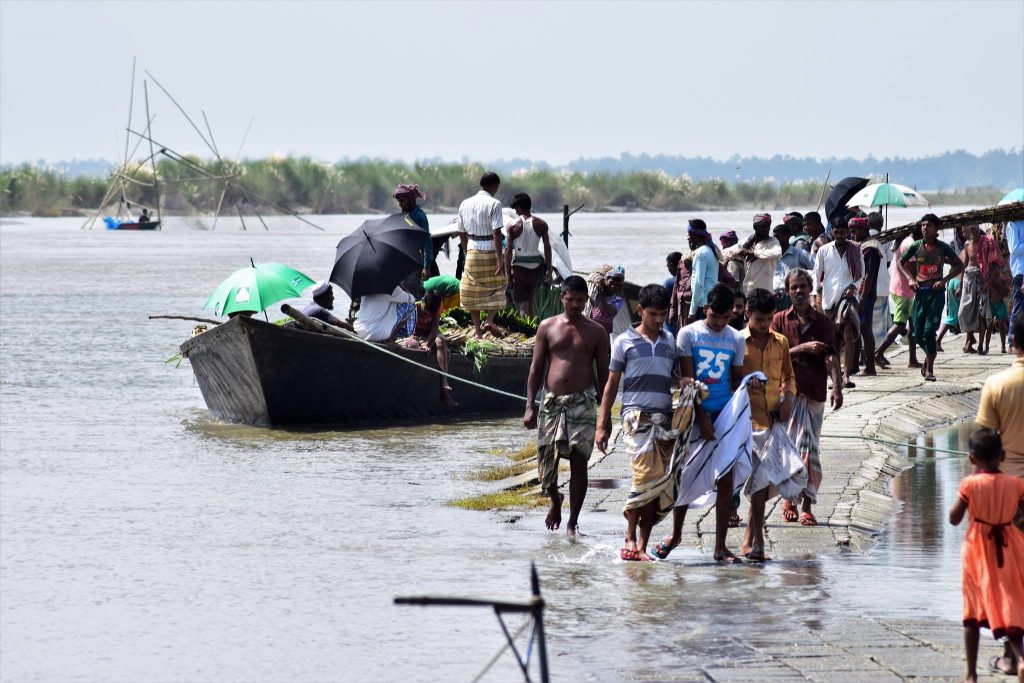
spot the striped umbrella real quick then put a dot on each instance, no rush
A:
(887, 194)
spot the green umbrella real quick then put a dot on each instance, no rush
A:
(887, 194)
(257, 287)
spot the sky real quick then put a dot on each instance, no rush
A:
(549, 81)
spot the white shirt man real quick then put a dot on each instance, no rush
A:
(832, 270)
(479, 217)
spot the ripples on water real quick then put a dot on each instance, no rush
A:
(142, 540)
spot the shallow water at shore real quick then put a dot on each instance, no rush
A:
(142, 540)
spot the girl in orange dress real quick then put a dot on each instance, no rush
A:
(993, 551)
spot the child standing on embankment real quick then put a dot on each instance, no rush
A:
(993, 550)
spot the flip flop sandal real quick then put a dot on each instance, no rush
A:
(728, 558)
(807, 519)
(734, 521)
(662, 550)
(993, 665)
(789, 512)
(627, 555)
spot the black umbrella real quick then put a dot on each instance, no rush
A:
(378, 255)
(841, 193)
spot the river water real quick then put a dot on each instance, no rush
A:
(142, 540)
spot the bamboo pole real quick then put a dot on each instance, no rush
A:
(183, 113)
(152, 154)
(184, 317)
(824, 187)
(992, 214)
(171, 154)
(314, 325)
(127, 138)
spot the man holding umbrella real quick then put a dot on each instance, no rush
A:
(484, 280)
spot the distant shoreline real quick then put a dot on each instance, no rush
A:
(305, 186)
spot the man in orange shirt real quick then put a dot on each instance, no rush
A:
(767, 352)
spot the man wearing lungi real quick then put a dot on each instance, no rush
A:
(528, 254)
(929, 285)
(643, 358)
(975, 314)
(812, 349)
(484, 280)
(575, 350)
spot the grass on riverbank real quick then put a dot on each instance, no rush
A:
(306, 185)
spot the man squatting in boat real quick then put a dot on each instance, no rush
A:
(576, 352)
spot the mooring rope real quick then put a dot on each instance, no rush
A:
(438, 371)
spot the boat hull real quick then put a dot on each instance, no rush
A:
(257, 373)
(152, 225)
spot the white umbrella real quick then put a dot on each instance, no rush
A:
(887, 194)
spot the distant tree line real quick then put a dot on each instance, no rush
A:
(304, 184)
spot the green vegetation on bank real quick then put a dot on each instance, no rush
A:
(303, 184)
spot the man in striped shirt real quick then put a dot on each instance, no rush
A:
(643, 359)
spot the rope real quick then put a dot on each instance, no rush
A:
(436, 371)
(894, 443)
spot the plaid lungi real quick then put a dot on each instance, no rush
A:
(480, 289)
(565, 425)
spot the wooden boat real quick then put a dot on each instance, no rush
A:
(258, 373)
(151, 225)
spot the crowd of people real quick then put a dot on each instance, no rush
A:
(737, 355)
(750, 335)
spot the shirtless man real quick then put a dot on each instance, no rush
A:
(572, 347)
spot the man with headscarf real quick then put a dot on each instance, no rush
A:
(406, 195)
(731, 259)
(838, 273)
(705, 267)
(761, 253)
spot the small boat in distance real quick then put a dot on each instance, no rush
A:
(151, 225)
(117, 224)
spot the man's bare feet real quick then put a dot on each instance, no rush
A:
(870, 372)
(572, 529)
(849, 385)
(554, 518)
(913, 363)
(881, 362)
(495, 330)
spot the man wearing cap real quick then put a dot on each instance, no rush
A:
(323, 303)
(483, 283)
(406, 196)
(704, 269)
(761, 253)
